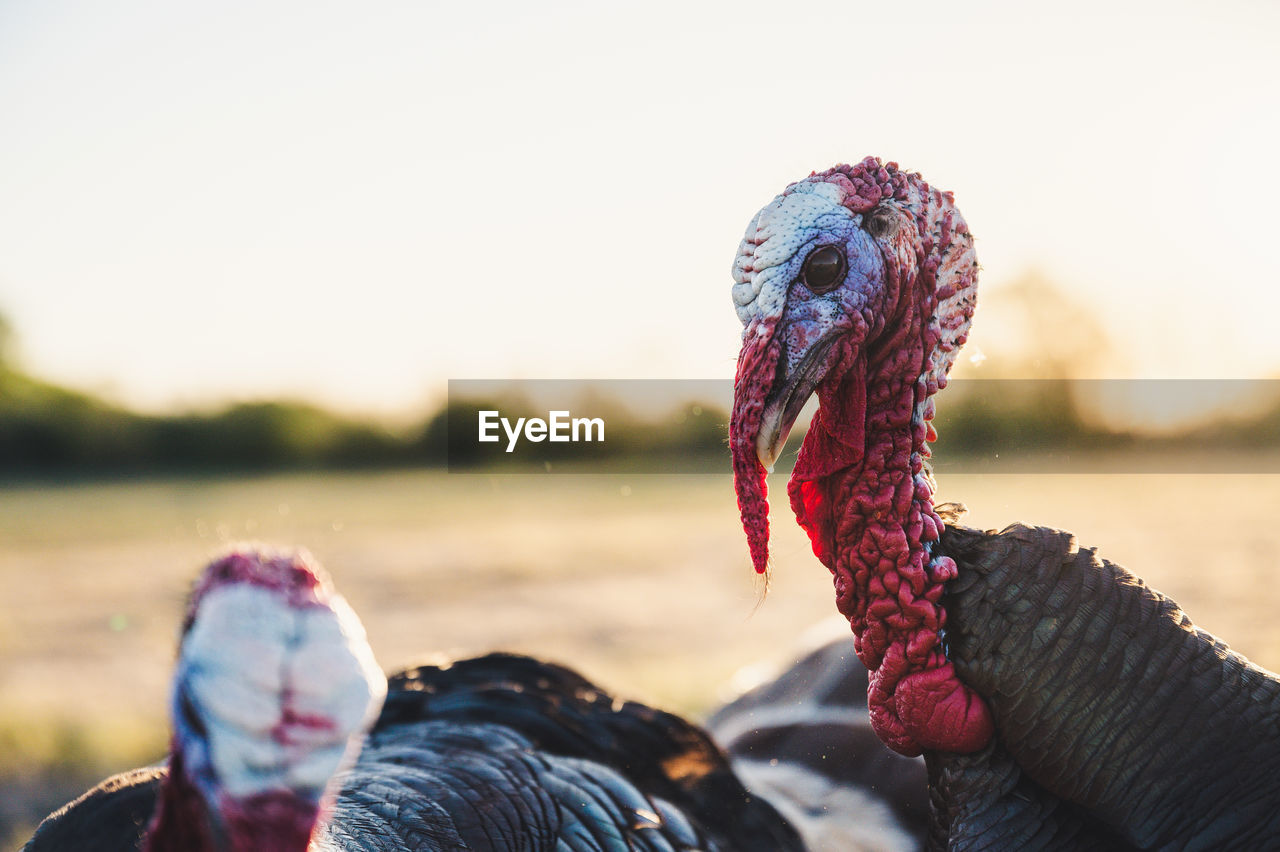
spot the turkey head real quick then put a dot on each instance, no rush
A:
(274, 690)
(858, 284)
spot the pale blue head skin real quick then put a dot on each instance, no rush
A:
(810, 319)
(775, 305)
(777, 241)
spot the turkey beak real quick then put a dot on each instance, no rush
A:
(768, 392)
(794, 382)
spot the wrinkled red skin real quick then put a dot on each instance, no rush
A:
(859, 491)
(872, 523)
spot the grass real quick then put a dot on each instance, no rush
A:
(641, 581)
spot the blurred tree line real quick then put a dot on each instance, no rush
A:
(47, 430)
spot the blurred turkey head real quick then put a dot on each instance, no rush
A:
(275, 688)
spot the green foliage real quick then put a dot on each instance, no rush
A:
(269, 435)
(46, 430)
(50, 431)
(43, 427)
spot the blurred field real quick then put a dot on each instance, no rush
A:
(641, 581)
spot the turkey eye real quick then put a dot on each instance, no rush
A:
(823, 269)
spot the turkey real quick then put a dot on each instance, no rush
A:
(803, 740)
(1057, 699)
(286, 736)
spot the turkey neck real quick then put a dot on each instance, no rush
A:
(180, 821)
(871, 522)
(862, 492)
(277, 821)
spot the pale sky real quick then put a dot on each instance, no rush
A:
(354, 202)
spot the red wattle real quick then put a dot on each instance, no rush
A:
(860, 492)
(869, 523)
(942, 714)
(809, 502)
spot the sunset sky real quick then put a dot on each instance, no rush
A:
(356, 202)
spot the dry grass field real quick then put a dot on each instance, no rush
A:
(641, 581)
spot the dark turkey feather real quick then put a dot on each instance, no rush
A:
(561, 713)
(1122, 725)
(111, 816)
(984, 801)
(501, 752)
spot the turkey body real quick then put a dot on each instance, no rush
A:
(1121, 724)
(500, 752)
